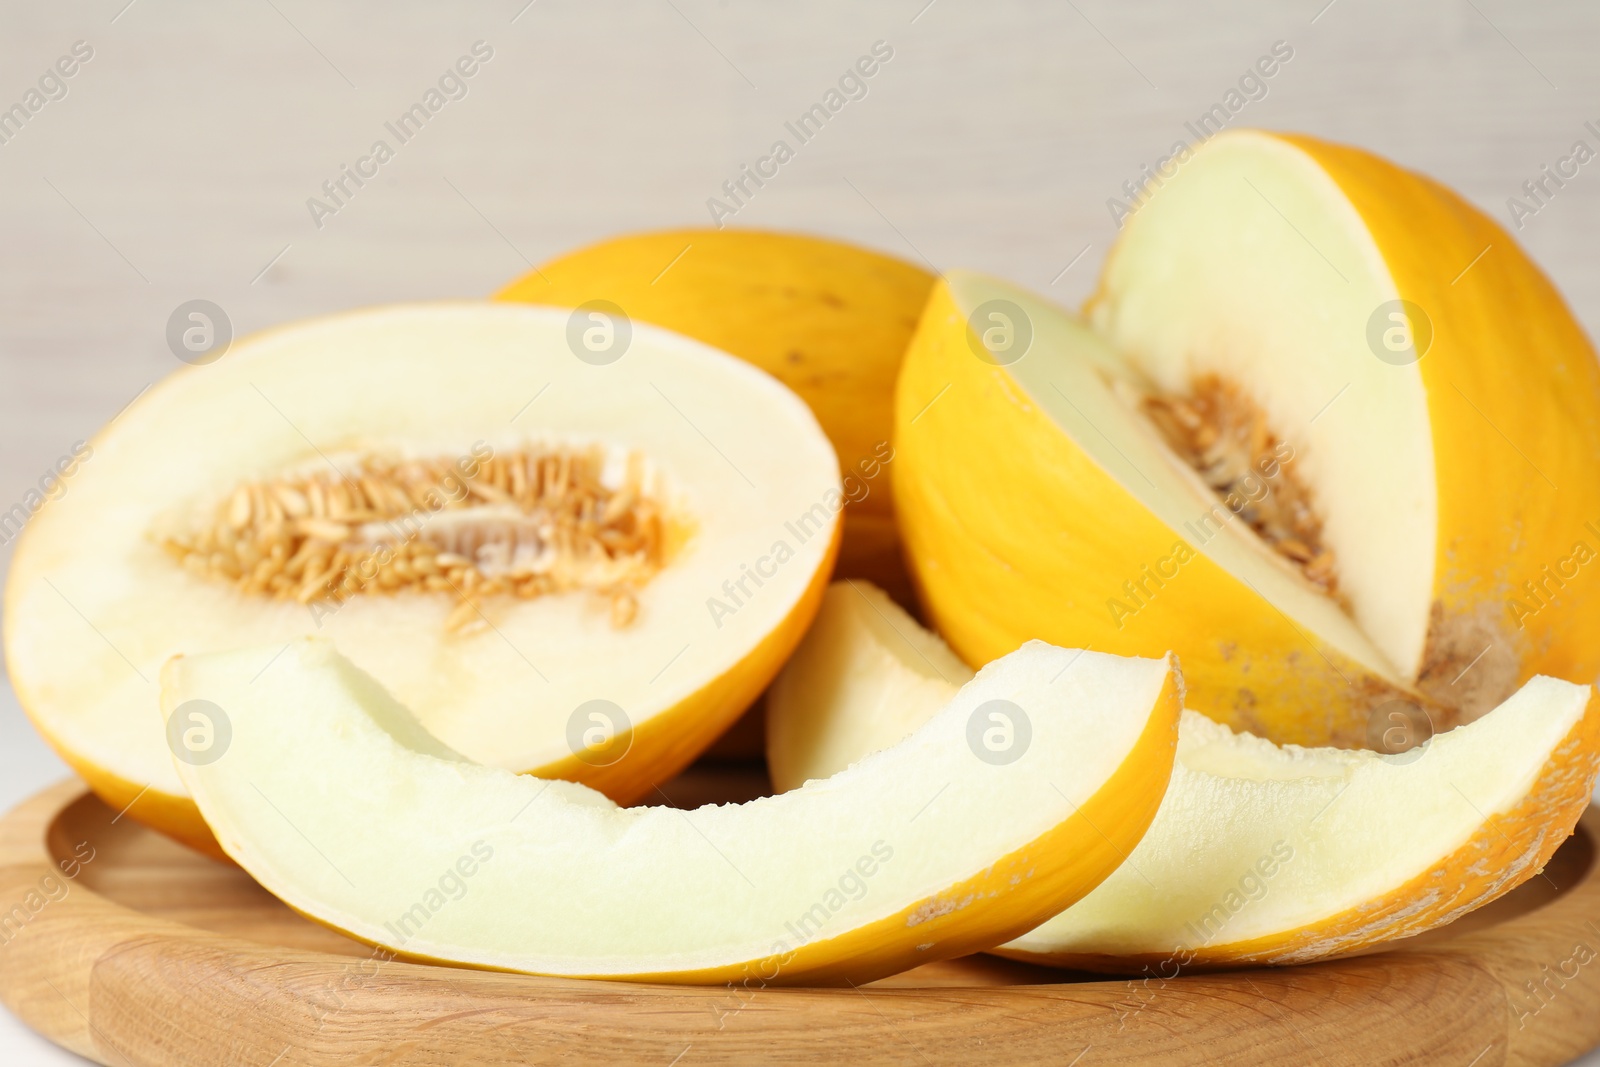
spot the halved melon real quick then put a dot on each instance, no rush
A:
(336, 800)
(1310, 439)
(584, 570)
(1259, 854)
(830, 320)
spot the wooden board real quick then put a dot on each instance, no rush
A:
(152, 955)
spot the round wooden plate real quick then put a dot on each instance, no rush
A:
(133, 951)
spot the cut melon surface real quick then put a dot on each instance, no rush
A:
(828, 319)
(1293, 439)
(865, 676)
(1083, 499)
(336, 800)
(1259, 853)
(504, 533)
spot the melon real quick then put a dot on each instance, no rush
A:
(1323, 430)
(1259, 854)
(829, 319)
(333, 796)
(585, 568)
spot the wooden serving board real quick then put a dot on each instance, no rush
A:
(153, 955)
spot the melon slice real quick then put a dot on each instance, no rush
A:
(1309, 437)
(828, 319)
(864, 677)
(335, 799)
(1262, 854)
(1259, 854)
(584, 569)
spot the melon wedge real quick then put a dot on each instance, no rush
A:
(1259, 854)
(830, 320)
(864, 677)
(336, 800)
(1309, 437)
(524, 533)
(1262, 854)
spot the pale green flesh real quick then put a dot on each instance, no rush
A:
(321, 801)
(1252, 264)
(1252, 838)
(822, 717)
(1069, 372)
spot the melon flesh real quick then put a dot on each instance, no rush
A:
(1211, 281)
(1300, 437)
(738, 465)
(865, 676)
(338, 802)
(1090, 391)
(828, 319)
(1260, 853)
(1263, 854)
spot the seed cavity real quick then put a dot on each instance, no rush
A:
(1224, 436)
(526, 524)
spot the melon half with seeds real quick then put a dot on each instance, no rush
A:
(1325, 432)
(585, 568)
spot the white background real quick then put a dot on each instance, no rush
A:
(179, 164)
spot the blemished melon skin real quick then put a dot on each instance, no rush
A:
(1009, 526)
(828, 319)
